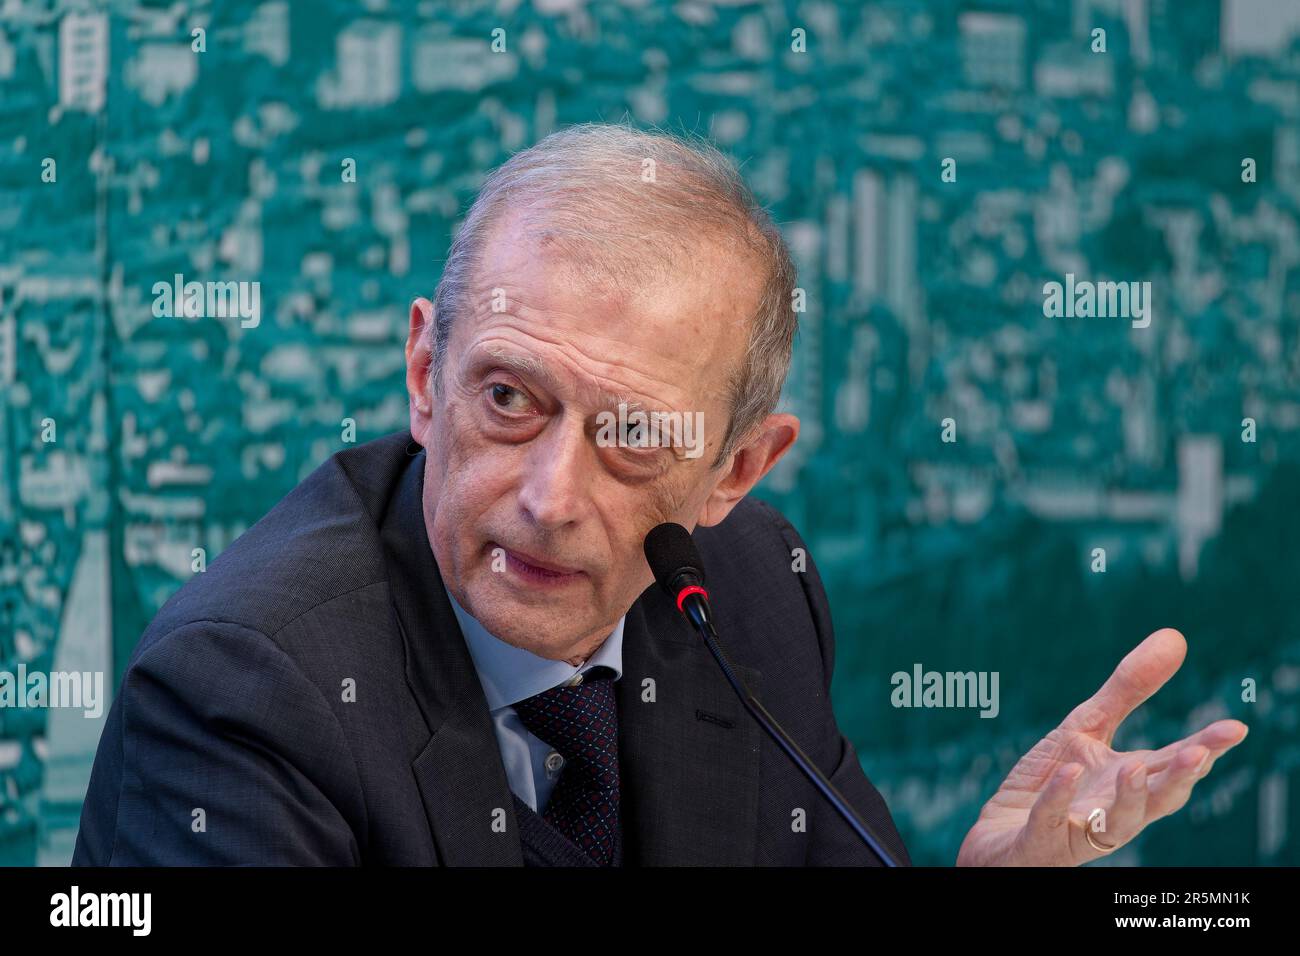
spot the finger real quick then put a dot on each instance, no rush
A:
(1142, 672)
(1170, 788)
(1128, 811)
(1215, 754)
(1046, 826)
(1219, 737)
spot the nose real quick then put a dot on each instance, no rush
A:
(554, 488)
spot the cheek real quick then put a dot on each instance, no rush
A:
(478, 488)
(472, 474)
(630, 517)
(669, 502)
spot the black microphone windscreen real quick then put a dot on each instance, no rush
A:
(670, 549)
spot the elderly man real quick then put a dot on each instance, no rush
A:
(446, 646)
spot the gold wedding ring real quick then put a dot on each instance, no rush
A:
(1087, 832)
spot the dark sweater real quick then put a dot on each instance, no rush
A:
(544, 845)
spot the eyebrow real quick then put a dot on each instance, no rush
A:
(533, 367)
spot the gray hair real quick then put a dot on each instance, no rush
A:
(582, 189)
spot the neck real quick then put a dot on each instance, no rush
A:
(577, 653)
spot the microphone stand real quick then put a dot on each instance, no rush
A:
(696, 608)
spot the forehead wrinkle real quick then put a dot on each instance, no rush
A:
(519, 309)
(593, 361)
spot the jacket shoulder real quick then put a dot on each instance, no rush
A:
(756, 546)
(320, 541)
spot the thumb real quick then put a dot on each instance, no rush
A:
(1142, 672)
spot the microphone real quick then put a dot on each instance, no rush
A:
(673, 558)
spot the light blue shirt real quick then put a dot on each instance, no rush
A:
(510, 674)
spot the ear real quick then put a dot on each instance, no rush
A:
(419, 359)
(749, 463)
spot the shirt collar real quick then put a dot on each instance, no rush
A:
(510, 674)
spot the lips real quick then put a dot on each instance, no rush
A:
(541, 563)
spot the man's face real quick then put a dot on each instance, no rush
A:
(516, 482)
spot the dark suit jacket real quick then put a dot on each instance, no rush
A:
(231, 740)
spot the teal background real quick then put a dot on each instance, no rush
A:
(924, 303)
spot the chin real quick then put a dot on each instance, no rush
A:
(532, 628)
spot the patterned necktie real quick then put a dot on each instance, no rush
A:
(581, 722)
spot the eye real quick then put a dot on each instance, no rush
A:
(633, 437)
(501, 396)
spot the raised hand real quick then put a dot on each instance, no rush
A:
(1040, 814)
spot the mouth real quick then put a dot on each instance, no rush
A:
(538, 570)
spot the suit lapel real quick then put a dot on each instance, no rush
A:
(688, 751)
(461, 777)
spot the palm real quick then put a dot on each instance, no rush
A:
(1039, 814)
